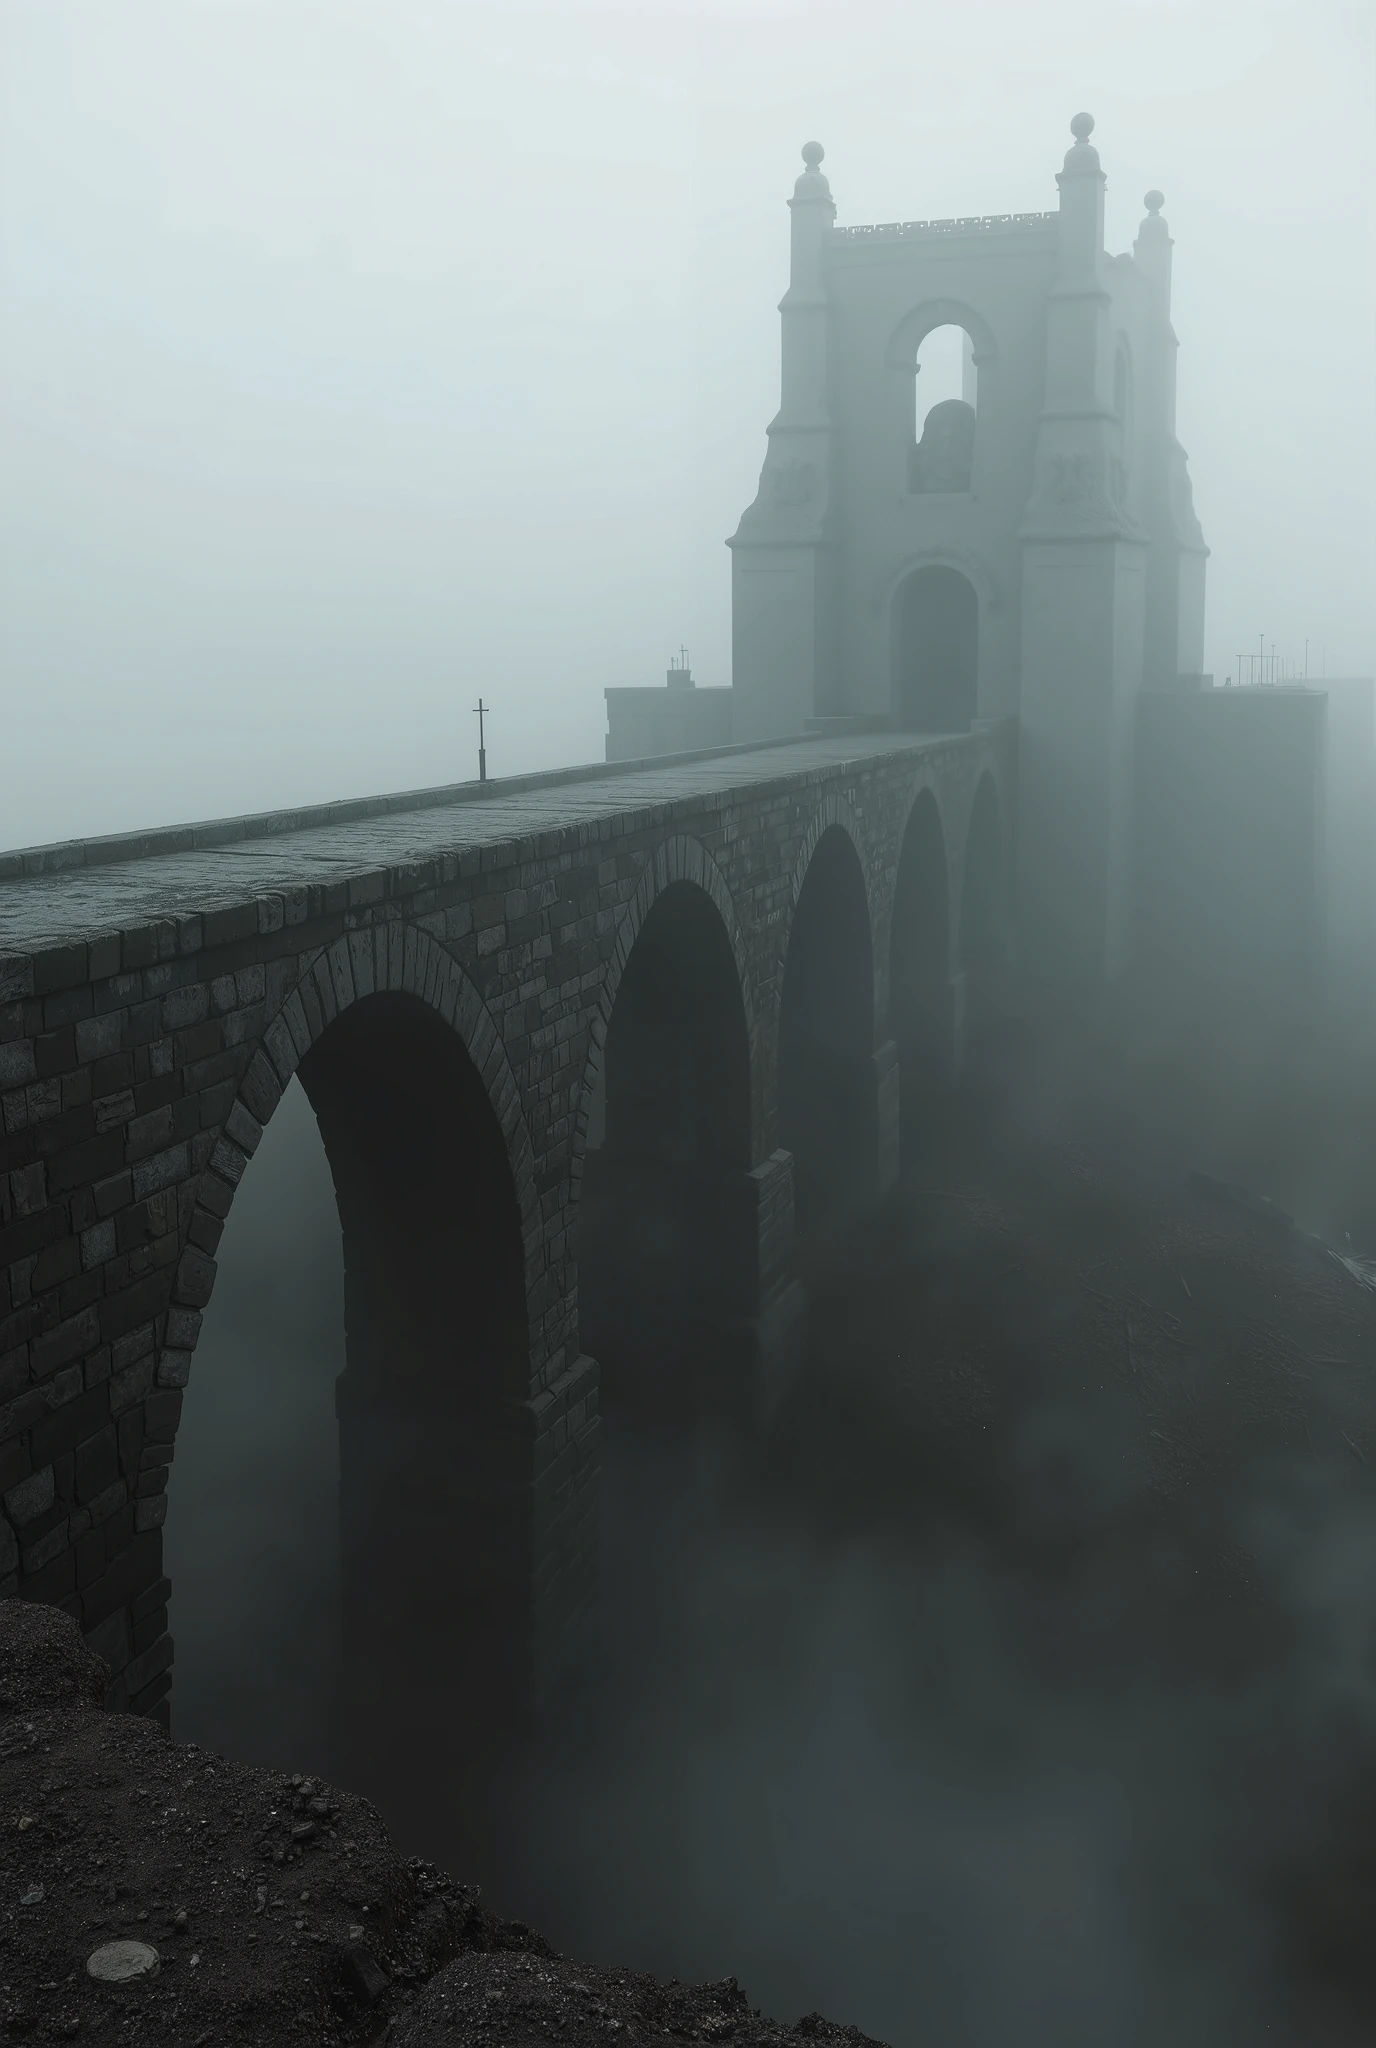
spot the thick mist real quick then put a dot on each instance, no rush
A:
(353, 365)
(926, 1712)
(355, 362)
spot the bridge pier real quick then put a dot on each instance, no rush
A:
(468, 1554)
(931, 1055)
(687, 1278)
(436, 1540)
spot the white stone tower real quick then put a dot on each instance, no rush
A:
(1029, 549)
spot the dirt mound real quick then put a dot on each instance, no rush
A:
(45, 1662)
(514, 1999)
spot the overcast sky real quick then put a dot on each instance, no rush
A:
(358, 358)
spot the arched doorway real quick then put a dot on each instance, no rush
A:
(935, 651)
(827, 1109)
(984, 919)
(920, 1015)
(433, 1524)
(665, 1218)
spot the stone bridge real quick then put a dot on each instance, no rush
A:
(593, 1055)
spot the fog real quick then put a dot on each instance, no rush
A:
(358, 359)
(938, 1724)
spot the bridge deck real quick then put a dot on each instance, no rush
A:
(78, 890)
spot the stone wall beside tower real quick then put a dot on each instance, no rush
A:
(784, 651)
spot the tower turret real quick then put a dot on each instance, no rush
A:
(783, 571)
(1083, 595)
(803, 307)
(1175, 573)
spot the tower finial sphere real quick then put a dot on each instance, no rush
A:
(1154, 201)
(1082, 127)
(813, 153)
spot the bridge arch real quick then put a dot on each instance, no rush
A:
(182, 1044)
(434, 1184)
(833, 810)
(679, 859)
(666, 1207)
(391, 957)
(827, 1113)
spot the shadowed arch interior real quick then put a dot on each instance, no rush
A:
(664, 1242)
(984, 917)
(920, 1012)
(935, 651)
(431, 1510)
(827, 1115)
(256, 1599)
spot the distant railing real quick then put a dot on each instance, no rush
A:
(986, 223)
(1265, 671)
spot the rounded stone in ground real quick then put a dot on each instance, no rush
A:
(123, 1962)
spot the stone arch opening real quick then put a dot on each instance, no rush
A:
(433, 1506)
(827, 1106)
(984, 918)
(920, 1008)
(436, 1347)
(941, 450)
(935, 629)
(256, 1604)
(665, 1218)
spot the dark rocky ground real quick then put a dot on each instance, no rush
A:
(278, 1908)
(1148, 1409)
(1135, 1427)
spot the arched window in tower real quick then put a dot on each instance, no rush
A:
(942, 452)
